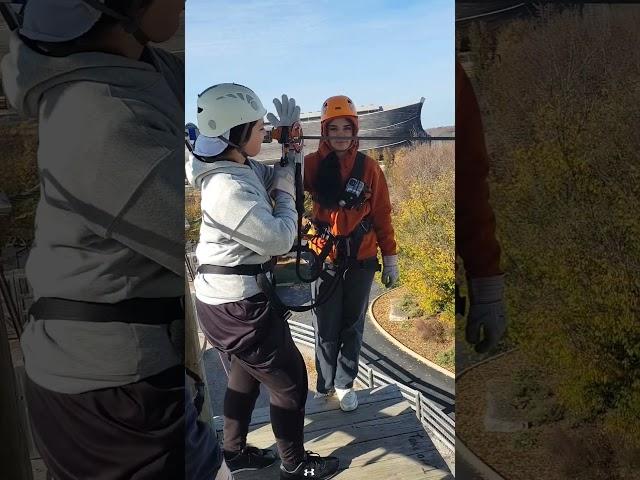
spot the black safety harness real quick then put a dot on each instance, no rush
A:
(346, 247)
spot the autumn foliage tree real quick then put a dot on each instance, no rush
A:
(421, 182)
(562, 113)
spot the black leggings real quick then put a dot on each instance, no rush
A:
(272, 359)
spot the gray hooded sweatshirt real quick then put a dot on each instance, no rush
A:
(241, 225)
(110, 221)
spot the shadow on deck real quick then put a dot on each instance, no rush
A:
(382, 439)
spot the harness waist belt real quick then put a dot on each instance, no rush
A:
(248, 270)
(353, 263)
(148, 311)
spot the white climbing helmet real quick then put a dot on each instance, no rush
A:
(227, 105)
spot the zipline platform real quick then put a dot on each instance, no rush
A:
(381, 440)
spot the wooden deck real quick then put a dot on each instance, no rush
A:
(382, 439)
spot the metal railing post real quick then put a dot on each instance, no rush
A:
(371, 379)
(419, 405)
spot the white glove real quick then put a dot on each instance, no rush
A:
(486, 312)
(390, 270)
(284, 179)
(287, 111)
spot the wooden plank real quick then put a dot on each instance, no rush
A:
(382, 439)
(261, 415)
(330, 416)
(416, 445)
(395, 469)
(381, 411)
(334, 438)
(334, 418)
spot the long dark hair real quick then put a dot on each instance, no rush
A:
(328, 185)
(236, 136)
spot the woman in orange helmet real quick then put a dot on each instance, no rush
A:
(350, 199)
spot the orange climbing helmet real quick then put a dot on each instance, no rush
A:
(338, 106)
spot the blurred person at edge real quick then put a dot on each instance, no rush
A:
(105, 383)
(476, 242)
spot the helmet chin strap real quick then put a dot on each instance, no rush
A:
(238, 147)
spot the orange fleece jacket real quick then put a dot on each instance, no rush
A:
(343, 221)
(475, 222)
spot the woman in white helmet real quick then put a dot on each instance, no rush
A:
(104, 380)
(249, 217)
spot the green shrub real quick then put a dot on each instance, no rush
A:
(447, 359)
(421, 182)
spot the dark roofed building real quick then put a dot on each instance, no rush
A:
(403, 122)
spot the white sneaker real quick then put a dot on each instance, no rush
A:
(326, 396)
(348, 399)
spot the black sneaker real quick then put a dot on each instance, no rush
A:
(312, 467)
(251, 458)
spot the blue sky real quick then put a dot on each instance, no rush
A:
(380, 52)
